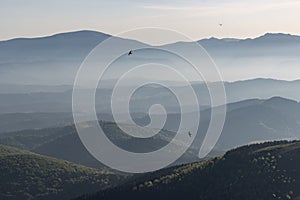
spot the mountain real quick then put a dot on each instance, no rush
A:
(261, 171)
(273, 119)
(248, 121)
(50, 60)
(268, 38)
(61, 102)
(31, 139)
(64, 143)
(262, 89)
(60, 47)
(275, 39)
(13, 122)
(25, 89)
(54, 60)
(25, 175)
(20, 121)
(269, 56)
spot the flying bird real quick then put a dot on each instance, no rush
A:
(130, 53)
(220, 24)
(190, 134)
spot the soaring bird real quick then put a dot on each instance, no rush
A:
(130, 53)
(190, 134)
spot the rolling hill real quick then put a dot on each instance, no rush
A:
(25, 175)
(10, 122)
(247, 122)
(64, 143)
(262, 171)
(32, 103)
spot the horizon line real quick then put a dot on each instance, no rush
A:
(112, 35)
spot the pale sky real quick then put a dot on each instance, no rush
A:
(195, 18)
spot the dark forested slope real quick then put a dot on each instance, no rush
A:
(25, 175)
(262, 171)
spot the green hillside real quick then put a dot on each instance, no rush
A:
(262, 171)
(25, 175)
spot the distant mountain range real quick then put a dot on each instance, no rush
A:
(55, 59)
(268, 38)
(60, 47)
(60, 100)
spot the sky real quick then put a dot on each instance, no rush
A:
(195, 18)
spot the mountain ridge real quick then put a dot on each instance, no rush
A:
(87, 32)
(56, 59)
(62, 34)
(262, 171)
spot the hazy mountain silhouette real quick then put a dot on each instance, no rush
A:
(72, 46)
(44, 102)
(50, 60)
(247, 122)
(28, 61)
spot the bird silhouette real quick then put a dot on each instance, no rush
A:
(190, 134)
(220, 24)
(130, 53)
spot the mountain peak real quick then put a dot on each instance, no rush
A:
(280, 100)
(66, 35)
(81, 33)
(268, 37)
(276, 37)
